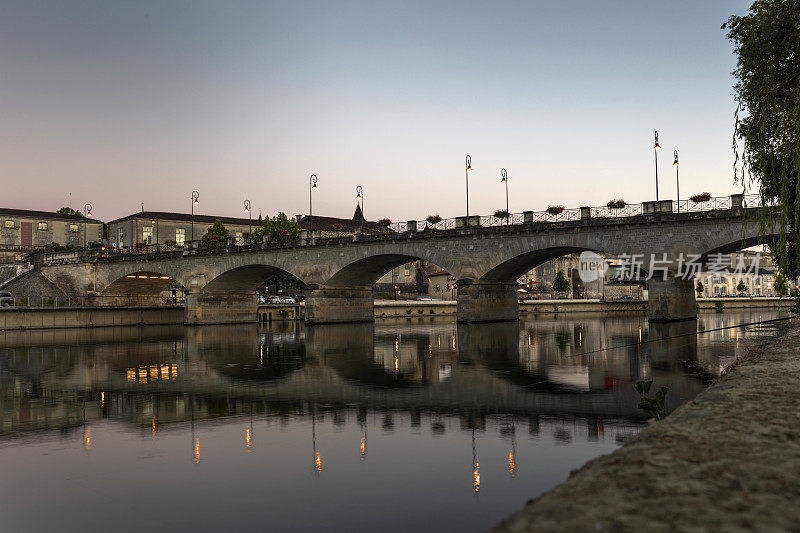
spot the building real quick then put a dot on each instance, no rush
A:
(156, 227)
(410, 278)
(22, 230)
(756, 270)
(442, 285)
(336, 227)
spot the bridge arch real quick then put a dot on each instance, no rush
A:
(367, 271)
(243, 278)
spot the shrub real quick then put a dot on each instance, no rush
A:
(653, 407)
(616, 204)
(501, 213)
(555, 209)
(433, 219)
(216, 236)
(702, 197)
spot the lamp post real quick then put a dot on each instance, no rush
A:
(504, 178)
(155, 222)
(466, 178)
(677, 180)
(656, 148)
(195, 198)
(249, 217)
(312, 184)
(87, 210)
(360, 196)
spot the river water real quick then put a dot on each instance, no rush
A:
(405, 424)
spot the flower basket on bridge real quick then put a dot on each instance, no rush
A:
(433, 219)
(337, 227)
(702, 197)
(555, 209)
(501, 213)
(384, 222)
(616, 204)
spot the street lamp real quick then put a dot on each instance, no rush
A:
(466, 178)
(360, 196)
(656, 148)
(155, 221)
(249, 217)
(195, 201)
(504, 178)
(312, 184)
(87, 210)
(677, 181)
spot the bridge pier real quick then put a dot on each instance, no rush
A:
(480, 301)
(671, 299)
(221, 308)
(339, 305)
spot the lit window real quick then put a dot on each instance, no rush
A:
(42, 226)
(180, 236)
(239, 238)
(147, 235)
(73, 227)
(9, 223)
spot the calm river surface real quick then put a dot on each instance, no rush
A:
(405, 424)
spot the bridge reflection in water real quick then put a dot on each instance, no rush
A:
(463, 402)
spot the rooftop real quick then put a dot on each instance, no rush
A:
(186, 217)
(51, 215)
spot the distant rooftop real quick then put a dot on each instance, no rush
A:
(186, 217)
(51, 215)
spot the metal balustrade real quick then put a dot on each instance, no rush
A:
(421, 227)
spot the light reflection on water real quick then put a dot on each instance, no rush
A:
(406, 423)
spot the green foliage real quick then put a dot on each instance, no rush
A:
(560, 283)
(767, 134)
(284, 280)
(51, 248)
(699, 288)
(719, 307)
(69, 211)
(216, 236)
(653, 407)
(501, 213)
(741, 287)
(780, 285)
(280, 229)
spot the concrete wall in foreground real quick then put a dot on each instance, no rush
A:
(85, 317)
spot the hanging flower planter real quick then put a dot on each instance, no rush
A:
(702, 197)
(616, 204)
(433, 219)
(337, 227)
(501, 213)
(555, 209)
(384, 222)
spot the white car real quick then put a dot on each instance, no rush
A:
(285, 300)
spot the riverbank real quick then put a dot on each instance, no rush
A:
(726, 460)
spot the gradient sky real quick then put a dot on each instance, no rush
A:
(120, 103)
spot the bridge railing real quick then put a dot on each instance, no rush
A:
(420, 226)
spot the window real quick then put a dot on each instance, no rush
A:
(408, 270)
(147, 234)
(239, 238)
(9, 224)
(180, 236)
(120, 236)
(42, 226)
(73, 227)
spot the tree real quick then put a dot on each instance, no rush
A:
(69, 211)
(741, 287)
(280, 229)
(699, 288)
(284, 280)
(767, 93)
(216, 236)
(780, 286)
(560, 283)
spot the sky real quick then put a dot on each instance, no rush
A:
(119, 103)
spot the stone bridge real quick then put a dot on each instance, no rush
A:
(486, 261)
